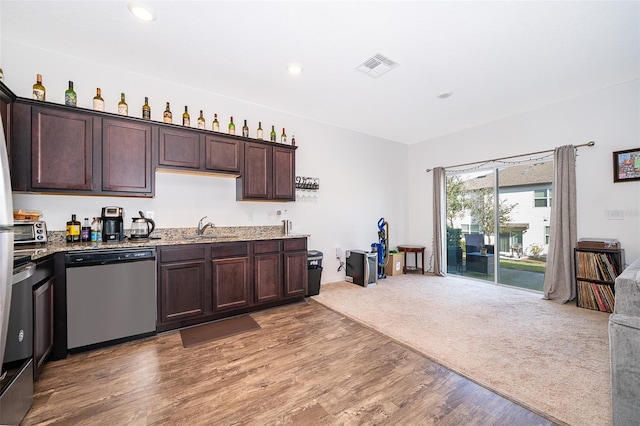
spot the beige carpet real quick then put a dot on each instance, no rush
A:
(554, 358)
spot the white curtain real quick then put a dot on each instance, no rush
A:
(559, 276)
(439, 230)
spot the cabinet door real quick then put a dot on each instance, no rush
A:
(284, 173)
(268, 277)
(42, 324)
(182, 290)
(295, 274)
(256, 175)
(223, 154)
(61, 149)
(231, 283)
(179, 148)
(126, 157)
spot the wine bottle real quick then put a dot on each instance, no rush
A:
(232, 127)
(259, 134)
(167, 117)
(39, 92)
(201, 123)
(98, 102)
(123, 108)
(70, 96)
(186, 119)
(293, 140)
(272, 135)
(215, 126)
(146, 109)
(85, 231)
(1, 75)
(245, 130)
(283, 137)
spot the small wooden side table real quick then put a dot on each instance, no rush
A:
(412, 249)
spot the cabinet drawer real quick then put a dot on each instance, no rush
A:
(180, 253)
(230, 250)
(272, 246)
(295, 244)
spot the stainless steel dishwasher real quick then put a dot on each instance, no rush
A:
(111, 296)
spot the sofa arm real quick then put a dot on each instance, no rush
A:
(624, 341)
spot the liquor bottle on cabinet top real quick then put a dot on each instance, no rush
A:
(245, 130)
(98, 102)
(283, 137)
(146, 109)
(123, 108)
(167, 117)
(70, 96)
(293, 140)
(259, 134)
(272, 135)
(232, 127)
(1, 75)
(186, 119)
(215, 126)
(39, 92)
(201, 123)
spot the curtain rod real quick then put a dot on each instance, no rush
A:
(590, 143)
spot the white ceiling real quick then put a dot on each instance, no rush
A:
(499, 58)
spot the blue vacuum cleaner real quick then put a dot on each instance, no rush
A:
(382, 247)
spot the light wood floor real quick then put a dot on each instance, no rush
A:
(307, 365)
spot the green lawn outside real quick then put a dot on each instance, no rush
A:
(523, 265)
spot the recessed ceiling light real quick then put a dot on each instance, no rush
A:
(142, 11)
(445, 95)
(294, 69)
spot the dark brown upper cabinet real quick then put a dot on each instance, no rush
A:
(223, 155)
(126, 157)
(268, 173)
(63, 149)
(179, 148)
(62, 144)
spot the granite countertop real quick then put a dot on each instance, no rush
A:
(168, 236)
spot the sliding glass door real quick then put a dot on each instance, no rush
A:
(500, 238)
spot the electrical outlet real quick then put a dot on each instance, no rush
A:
(338, 253)
(149, 215)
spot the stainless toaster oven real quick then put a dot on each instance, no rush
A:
(29, 232)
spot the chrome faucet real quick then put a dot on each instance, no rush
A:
(202, 227)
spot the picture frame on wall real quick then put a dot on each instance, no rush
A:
(626, 165)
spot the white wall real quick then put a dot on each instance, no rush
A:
(362, 178)
(610, 117)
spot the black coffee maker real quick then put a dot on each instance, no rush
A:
(112, 224)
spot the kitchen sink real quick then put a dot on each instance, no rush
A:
(210, 237)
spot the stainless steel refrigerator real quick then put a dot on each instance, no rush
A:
(6, 242)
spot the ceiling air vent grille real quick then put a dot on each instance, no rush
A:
(377, 65)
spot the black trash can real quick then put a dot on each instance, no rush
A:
(314, 266)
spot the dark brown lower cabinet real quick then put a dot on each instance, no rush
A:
(182, 283)
(295, 268)
(231, 283)
(42, 324)
(205, 282)
(267, 271)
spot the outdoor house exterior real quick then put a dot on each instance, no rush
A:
(528, 189)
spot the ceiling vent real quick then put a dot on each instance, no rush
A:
(376, 65)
